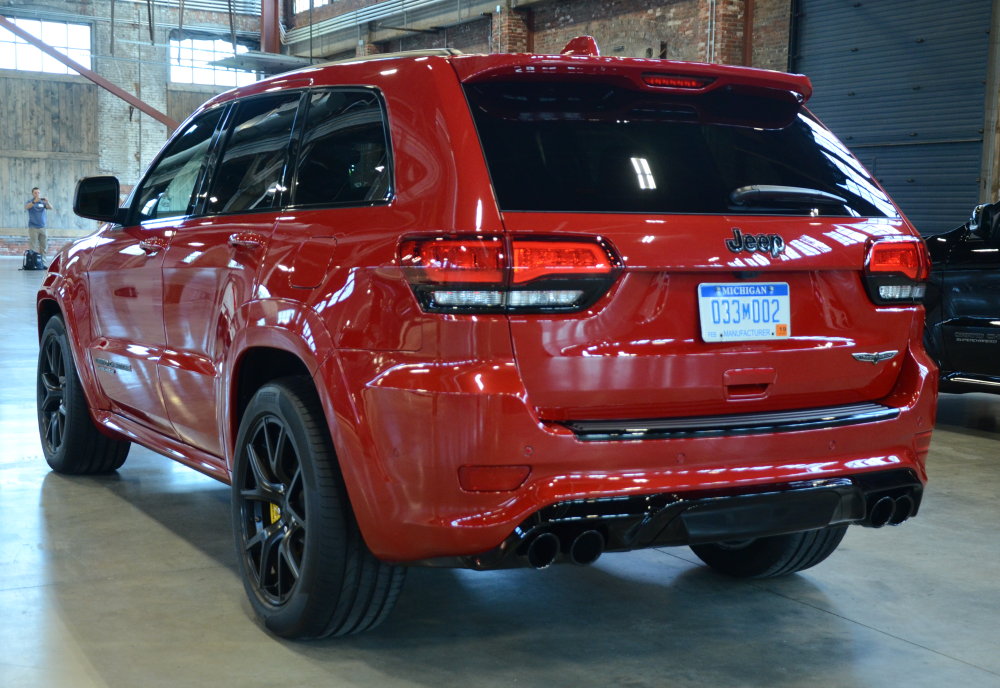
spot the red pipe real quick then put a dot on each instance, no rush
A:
(96, 78)
(270, 34)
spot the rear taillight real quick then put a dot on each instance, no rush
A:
(494, 274)
(896, 270)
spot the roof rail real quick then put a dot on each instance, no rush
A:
(429, 52)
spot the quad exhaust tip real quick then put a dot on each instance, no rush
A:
(902, 510)
(542, 550)
(881, 512)
(583, 549)
(889, 511)
(586, 547)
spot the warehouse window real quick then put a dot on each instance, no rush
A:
(72, 40)
(191, 62)
(303, 5)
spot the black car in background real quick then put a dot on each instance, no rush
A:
(963, 303)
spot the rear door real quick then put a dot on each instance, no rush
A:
(665, 179)
(211, 266)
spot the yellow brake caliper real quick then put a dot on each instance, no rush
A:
(275, 513)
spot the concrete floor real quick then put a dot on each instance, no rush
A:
(130, 580)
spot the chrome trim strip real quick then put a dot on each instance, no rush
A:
(732, 424)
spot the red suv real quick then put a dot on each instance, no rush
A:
(499, 310)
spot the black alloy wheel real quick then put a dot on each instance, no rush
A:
(273, 514)
(51, 395)
(71, 442)
(305, 567)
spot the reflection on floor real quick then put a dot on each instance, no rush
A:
(129, 581)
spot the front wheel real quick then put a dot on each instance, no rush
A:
(305, 566)
(71, 442)
(769, 557)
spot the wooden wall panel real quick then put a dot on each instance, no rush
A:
(182, 102)
(48, 138)
(56, 177)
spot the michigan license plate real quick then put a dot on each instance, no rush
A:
(744, 312)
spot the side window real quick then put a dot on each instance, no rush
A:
(344, 156)
(253, 160)
(168, 187)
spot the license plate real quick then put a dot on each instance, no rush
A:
(732, 312)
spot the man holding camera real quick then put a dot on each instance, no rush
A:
(36, 208)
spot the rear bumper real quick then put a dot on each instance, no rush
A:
(414, 432)
(661, 520)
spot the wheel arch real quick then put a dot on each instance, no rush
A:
(268, 360)
(256, 367)
(47, 309)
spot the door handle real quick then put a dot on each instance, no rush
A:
(246, 240)
(153, 245)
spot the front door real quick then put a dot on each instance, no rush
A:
(126, 280)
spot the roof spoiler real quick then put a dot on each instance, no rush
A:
(581, 59)
(582, 45)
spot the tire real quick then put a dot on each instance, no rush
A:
(71, 441)
(306, 569)
(770, 557)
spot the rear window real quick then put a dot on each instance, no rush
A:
(601, 148)
(344, 158)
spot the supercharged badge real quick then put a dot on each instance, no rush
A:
(113, 366)
(765, 243)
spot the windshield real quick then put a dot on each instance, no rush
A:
(595, 147)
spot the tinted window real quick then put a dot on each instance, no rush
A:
(169, 185)
(253, 161)
(344, 154)
(594, 147)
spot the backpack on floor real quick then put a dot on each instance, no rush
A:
(33, 261)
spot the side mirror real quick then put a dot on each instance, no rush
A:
(96, 198)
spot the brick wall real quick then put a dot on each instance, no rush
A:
(726, 36)
(676, 29)
(510, 31)
(700, 30)
(771, 28)
(470, 37)
(14, 242)
(625, 28)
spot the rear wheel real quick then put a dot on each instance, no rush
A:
(769, 557)
(71, 442)
(305, 566)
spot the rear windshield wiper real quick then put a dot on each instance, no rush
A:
(765, 194)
